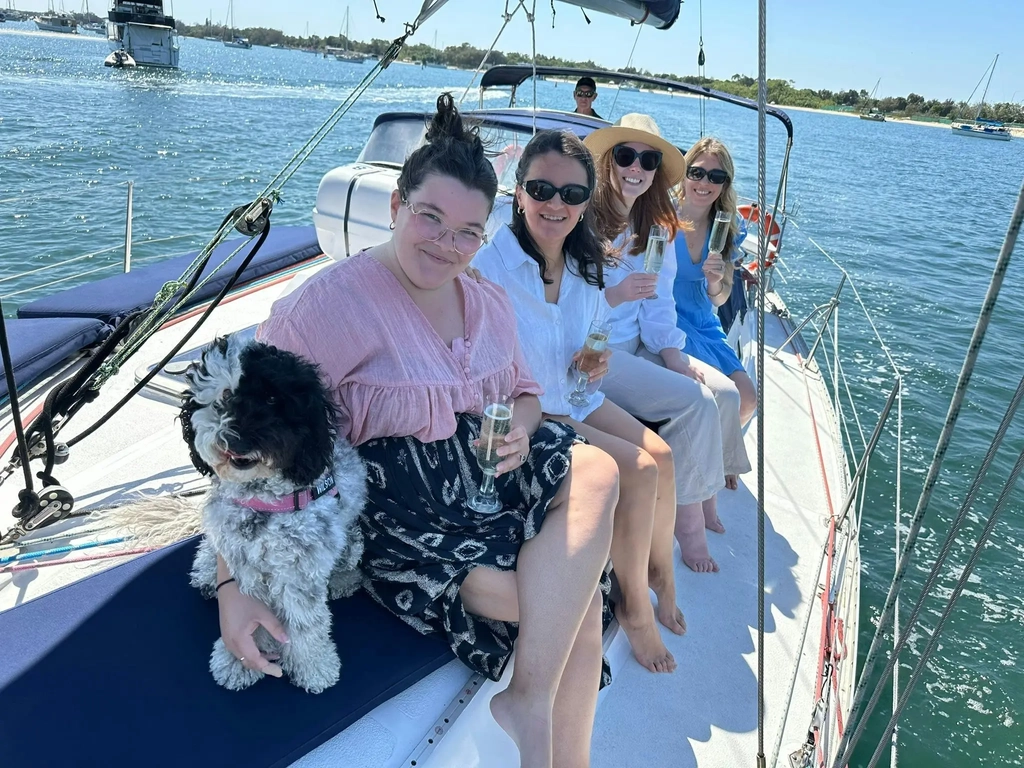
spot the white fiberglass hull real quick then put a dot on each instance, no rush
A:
(149, 45)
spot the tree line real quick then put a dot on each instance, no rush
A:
(781, 92)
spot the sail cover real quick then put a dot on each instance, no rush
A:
(660, 14)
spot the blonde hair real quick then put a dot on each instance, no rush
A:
(726, 201)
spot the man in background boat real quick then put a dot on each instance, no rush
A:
(585, 94)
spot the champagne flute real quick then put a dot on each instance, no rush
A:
(495, 425)
(593, 348)
(654, 257)
(720, 232)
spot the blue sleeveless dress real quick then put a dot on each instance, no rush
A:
(696, 315)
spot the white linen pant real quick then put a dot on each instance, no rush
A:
(639, 383)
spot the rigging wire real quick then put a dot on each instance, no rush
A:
(532, 17)
(762, 257)
(859, 713)
(83, 387)
(961, 582)
(702, 101)
(629, 63)
(480, 68)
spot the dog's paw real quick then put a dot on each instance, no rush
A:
(228, 671)
(316, 675)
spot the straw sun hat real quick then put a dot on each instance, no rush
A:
(642, 129)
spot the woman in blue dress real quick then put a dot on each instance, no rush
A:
(704, 281)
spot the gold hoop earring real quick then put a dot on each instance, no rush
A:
(520, 210)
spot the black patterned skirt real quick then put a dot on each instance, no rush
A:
(422, 540)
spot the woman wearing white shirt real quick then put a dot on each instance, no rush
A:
(650, 376)
(550, 263)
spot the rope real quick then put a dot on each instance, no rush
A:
(762, 251)
(141, 383)
(70, 560)
(480, 68)
(1004, 497)
(852, 736)
(60, 550)
(26, 498)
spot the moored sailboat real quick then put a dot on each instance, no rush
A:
(979, 128)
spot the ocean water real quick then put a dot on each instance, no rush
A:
(915, 214)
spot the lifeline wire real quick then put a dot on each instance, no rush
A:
(852, 736)
(1004, 497)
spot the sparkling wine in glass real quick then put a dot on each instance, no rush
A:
(654, 257)
(495, 425)
(720, 232)
(593, 348)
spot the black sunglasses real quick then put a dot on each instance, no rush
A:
(542, 191)
(625, 156)
(586, 94)
(715, 175)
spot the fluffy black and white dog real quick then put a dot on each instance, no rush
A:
(283, 507)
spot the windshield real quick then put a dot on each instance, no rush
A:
(393, 141)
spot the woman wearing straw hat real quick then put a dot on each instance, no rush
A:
(656, 380)
(550, 261)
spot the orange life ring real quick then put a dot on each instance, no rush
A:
(752, 215)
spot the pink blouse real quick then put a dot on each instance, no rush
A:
(391, 373)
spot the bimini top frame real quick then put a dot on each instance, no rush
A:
(513, 75)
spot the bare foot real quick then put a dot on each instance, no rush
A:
(668, 611)
(529, 726)
(645, 640)
(692, 540)
(732, 482)
(711, 520)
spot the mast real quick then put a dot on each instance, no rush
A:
(984, 93)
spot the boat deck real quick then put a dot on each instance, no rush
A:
(703, 715)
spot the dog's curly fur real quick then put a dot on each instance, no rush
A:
(261, 422)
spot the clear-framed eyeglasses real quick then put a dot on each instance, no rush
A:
(430, 227)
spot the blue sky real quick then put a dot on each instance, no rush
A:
(938, 48)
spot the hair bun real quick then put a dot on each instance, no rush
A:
(447, 122)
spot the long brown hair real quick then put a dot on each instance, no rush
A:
(654, 206)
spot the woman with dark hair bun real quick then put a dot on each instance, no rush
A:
(413, 350)
(551, 262)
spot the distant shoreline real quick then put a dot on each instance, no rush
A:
(1017, 133)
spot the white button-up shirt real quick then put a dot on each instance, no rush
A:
(549, 334)
(653, 320)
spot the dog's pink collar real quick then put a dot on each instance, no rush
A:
(298, 501)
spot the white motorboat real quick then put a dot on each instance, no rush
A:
(142, 30)
(56, 22)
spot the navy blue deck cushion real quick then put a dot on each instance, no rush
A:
(112, 671)
(38, 344)
(116, 296)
